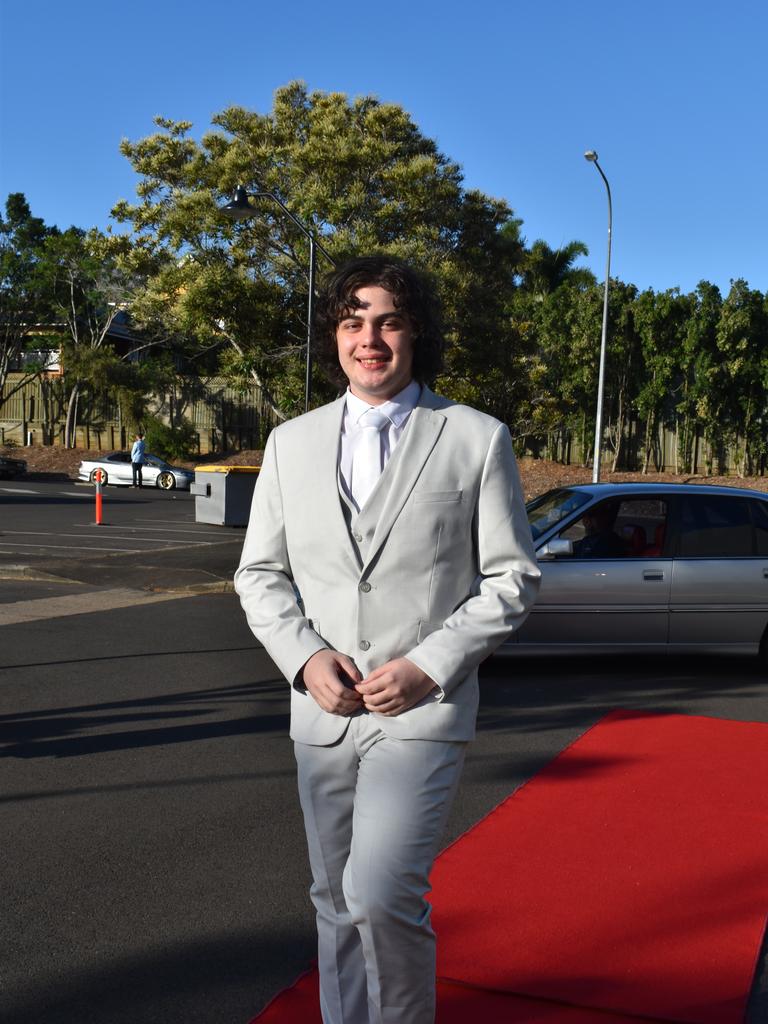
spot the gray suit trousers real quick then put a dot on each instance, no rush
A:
(375, 807)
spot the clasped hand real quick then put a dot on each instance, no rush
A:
(335, 682)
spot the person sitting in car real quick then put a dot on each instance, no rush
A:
(599, 540)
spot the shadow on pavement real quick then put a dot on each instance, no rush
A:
(164, 784)
(60, 732)
(141, 655)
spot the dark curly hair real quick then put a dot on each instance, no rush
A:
(412, 294)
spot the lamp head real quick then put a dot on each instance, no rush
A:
(239, 208)
(591, 155)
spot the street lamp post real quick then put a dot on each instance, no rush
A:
(591, 155)
(241, 209)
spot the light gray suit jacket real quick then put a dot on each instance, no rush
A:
(438, 566)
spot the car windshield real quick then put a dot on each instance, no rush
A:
(551, 508)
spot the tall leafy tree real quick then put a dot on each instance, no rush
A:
(542, 316)
(544, 269)
(740, 379)
(564, 328)
(552, 335)
(698, 354)
(622, 362)
(358, 173)
(24, 295)
(581, 362)
(661, 319)
(88, 288)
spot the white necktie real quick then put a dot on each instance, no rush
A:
(367, 461)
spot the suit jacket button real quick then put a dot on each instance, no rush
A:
(365, 586)
(357, 536)
(364, 645)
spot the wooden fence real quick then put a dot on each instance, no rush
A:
(34, 412)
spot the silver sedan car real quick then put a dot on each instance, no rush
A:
(117, 469)
(648, 568)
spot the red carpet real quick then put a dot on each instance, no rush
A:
(456, 1004)
(631, 874)
(627, 880)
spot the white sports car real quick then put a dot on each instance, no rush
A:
(116, 468)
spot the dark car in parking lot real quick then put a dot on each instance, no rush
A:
(10, 469)
(648, 568)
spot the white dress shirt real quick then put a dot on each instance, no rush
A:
(397, 409)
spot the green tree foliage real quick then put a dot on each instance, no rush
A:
(24, 297)
(358, 173)
(545, 269)
(549, 330)
(622, 363)
(739, 378)
(171, 442)
(697, 353)
(524, 322)
(661, 319)
(564, 326)
(87, 286)
(513, 374)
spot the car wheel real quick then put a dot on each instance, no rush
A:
(104, 477)
(166, 481)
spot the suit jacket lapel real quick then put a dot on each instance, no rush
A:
(321, 468)
(401, 472)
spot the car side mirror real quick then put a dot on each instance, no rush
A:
(555, 548)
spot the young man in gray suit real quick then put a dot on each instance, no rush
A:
(388, 553)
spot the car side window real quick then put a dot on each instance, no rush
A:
(760, 523)
(620, 528)
(716, 526)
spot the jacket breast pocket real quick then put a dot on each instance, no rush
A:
(423, 496)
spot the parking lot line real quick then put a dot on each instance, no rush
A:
(178, 519)
(157, 529)
(17, 490)
(112, 536)
(72, 547)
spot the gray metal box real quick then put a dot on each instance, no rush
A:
(223, 494)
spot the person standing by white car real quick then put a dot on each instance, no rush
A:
(137, 459)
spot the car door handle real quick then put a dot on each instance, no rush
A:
(653, 574)
(765, 574)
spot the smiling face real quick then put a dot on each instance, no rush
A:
(375, 344)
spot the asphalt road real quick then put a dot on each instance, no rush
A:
(154, 865)
(149, 539)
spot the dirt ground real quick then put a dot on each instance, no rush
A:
(539, 475)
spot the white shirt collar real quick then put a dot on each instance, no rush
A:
(397, 409)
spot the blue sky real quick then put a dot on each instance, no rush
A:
(672, 95)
